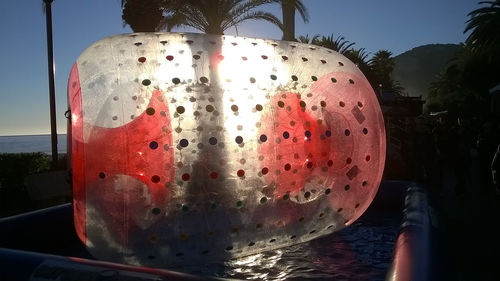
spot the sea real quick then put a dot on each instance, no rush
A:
(31, 143)
(362, 251)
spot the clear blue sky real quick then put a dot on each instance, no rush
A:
(396, 25)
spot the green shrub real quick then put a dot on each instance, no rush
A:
(14, 167)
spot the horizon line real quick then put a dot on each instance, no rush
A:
(33, 134)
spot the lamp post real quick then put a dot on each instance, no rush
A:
(52, 92)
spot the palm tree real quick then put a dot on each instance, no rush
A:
(382, 62)
(208, 16)
(338, 44)
(484, 24)
(475, 68)
(288, 8)
(305, 39)
(142, 15)
(171, 19)
(468, 77)
(382, 65)
(216, 16)
(360, 58)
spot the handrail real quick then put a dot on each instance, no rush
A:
(412, 252)
(22, 266)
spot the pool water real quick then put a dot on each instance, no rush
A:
(363, 251)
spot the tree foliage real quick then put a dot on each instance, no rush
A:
(306, 40)
(215, 16)
(338, 44)
(463, 87)
(382, 65)
(484, 25)
(359, 56)
(208, 16)
(378, 69)
(142, 15)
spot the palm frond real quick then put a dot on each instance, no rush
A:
(171, 21)
(484, 27)
(358, 56)
(257, 15)
(339, 44)
(304, 39)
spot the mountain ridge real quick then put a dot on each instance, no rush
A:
(415, 69)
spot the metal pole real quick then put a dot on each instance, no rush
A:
(52, 91)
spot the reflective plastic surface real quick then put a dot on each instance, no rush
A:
(192, 147)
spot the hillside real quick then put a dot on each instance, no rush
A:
(415, 69)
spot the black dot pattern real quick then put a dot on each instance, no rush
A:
(239, 143)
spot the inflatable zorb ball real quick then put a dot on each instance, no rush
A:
(192, 147)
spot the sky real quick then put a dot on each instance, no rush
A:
(394, 25)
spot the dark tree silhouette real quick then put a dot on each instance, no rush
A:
(142, 15)
(360, 58)
(464, 85)
(172, 17)
(484, 24)
(208, 16)
(305, 39)
(214, 16)
(382, 65)
(339, 44)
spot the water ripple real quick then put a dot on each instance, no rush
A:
(362, 251)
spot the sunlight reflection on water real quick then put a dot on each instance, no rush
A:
(362, 251)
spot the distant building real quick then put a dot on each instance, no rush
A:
(400, 114)
(394, 104)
